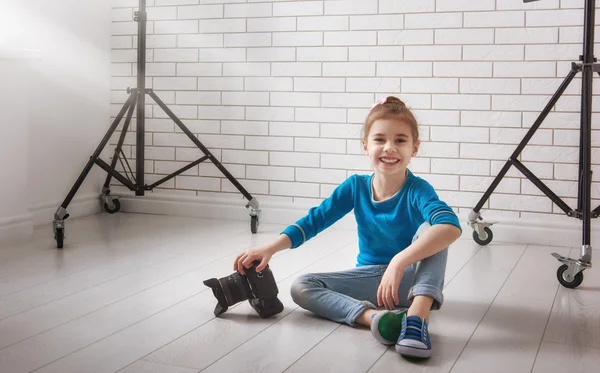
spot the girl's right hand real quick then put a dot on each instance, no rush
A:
(246, 258)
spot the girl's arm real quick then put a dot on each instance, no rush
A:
(431, 242)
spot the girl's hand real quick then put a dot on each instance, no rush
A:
(387, 293)
(246, 258)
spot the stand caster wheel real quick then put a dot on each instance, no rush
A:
(116, 207)
(575, 282)
(488, 239)
(59, 236)
(254, 223)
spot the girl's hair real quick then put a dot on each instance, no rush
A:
(391, 108)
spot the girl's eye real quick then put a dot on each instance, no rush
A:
(400, 140)
(378, 140)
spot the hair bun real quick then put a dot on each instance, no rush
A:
(394, 100)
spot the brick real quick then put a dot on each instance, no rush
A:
(302, 129)
(175, 83)
(461, 102)
(248, 10)
(244, 128)
(460, 166)
(515, 135)
(252, 186)
(490, 86)
(430, 85)
(246, 157)
(198, 98)
(176, 55)
(270, 173)
(268, 84)
(439, 149)
(531, 35)
(433, 20)
(463, 69)
(200, 40)
(353, 100)
(296, 69)
(560, 154)
(181, 111)
(345, 38)
(372, 84)
(318, 175)
(386, 53)
(405, 69)
(461, 135)
(197, 183)
(465, 5)
(200, 11)
(270, 113)
(271, 24)
(221, 84)
(121, 42)
(519, 102)
(246, 98)
(347, 162)
(319, 84)
(322, 146)
(405, 37)
(341, 130)
(464, 36)
(298, 8)
(351, 7)
(221, 25)
(521, 203)
(406, 6)
(493, 52)
(295, 99)
(494, 19)
(246, 69)
(321, 54)
(176, 27)
(295, 189)
(437, 117)
(294, 159)
(269, 143)
(321, 115)
(486, 151)
(349, 69)
(377, 22)
(442, 182)
(255, 39)
(481, 184)
(220, 112)
(511, 4)
(271, 54)
(297, 39)
(322, 23)
(554, 18)
(199, 69)
(491, 118)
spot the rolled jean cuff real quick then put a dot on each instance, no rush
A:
(429, 291)
(357, 311)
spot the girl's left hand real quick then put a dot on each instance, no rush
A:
(387, 293)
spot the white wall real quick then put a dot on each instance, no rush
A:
(279, 88)
(69, 102)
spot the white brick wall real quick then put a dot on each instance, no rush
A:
(277, 91)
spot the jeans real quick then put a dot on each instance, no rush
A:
(343, 296)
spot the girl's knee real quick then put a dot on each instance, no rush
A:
(299, 288)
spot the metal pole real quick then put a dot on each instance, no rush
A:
(141, 101)
(586, 130)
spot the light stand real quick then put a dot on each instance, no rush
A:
(570, 274)
(137, 97)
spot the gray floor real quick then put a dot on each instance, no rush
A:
(126, 295)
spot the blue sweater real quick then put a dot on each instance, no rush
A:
(384, 228)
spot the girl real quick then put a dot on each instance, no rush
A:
(404, 231)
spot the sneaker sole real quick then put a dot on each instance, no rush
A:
(375, 331)
(414, 352)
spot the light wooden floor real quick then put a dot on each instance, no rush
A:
(126, 295)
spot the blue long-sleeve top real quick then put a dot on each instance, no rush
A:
(384, 228)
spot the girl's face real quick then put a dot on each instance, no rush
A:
(390, 146)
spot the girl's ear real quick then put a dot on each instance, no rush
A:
(364, 145)
(416, 148)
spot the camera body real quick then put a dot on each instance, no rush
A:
(259, 288)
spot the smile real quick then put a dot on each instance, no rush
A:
(389, 160)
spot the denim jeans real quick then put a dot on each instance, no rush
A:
(343, 296)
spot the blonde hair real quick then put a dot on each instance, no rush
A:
(391, 108)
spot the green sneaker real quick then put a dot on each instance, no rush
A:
(386, 326)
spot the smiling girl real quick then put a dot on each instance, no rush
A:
(404, 231)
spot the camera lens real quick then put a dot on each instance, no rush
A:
(236, 288)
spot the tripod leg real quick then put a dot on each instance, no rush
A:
(199, 145)
(106, 188)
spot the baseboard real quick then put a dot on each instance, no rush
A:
(43, 213)
(20, 228)
(547, 233)
(16, 229)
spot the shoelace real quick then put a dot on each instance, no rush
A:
(414, 329)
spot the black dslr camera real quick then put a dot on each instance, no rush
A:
(258, 287)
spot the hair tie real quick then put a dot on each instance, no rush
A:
(382, 101)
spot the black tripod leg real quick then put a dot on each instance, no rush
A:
(199, 145)
(527, 137)
(106, 188)
(90, 164)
